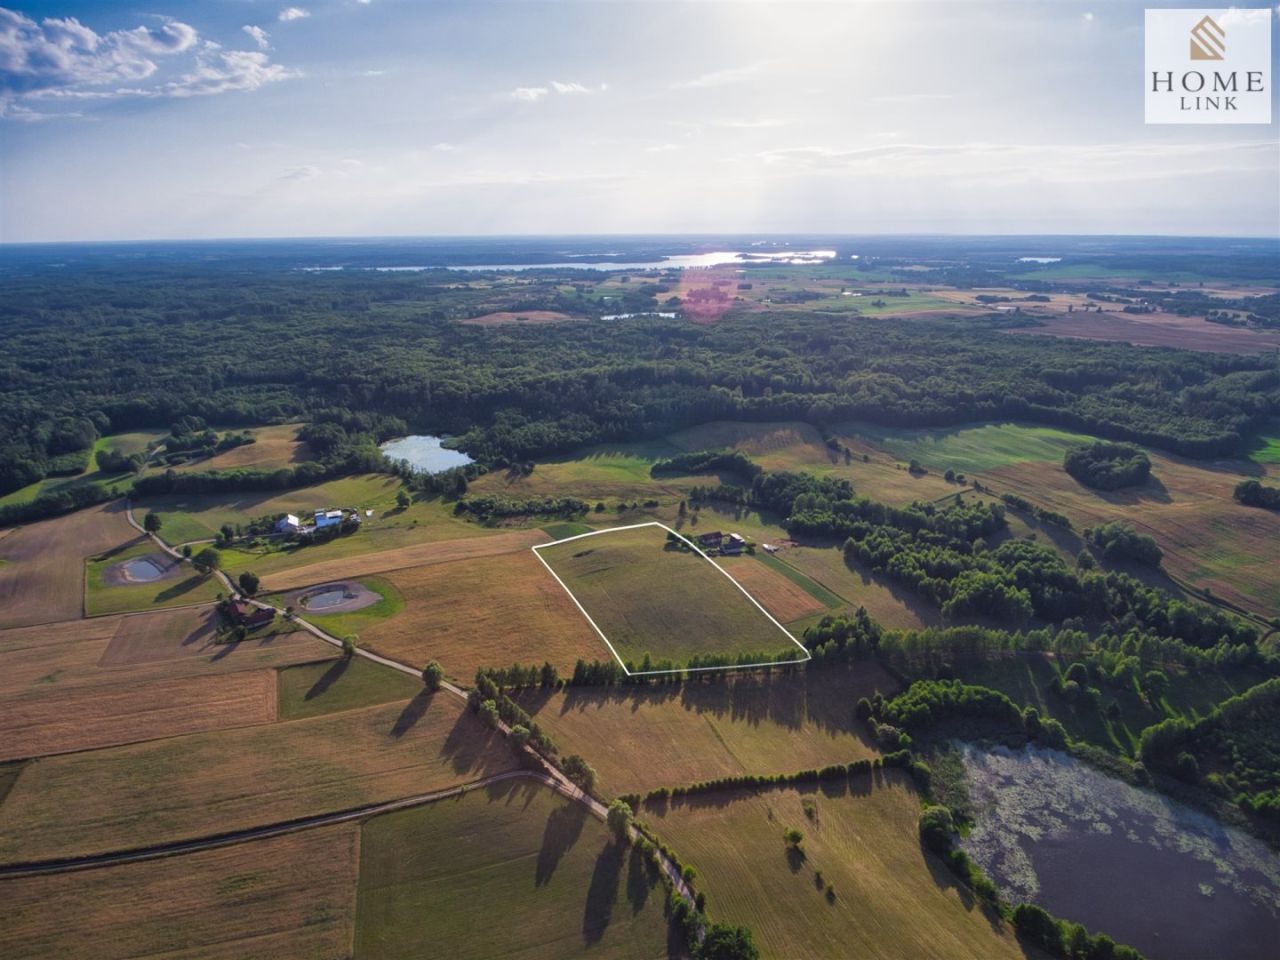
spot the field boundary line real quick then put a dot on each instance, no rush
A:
(715, 566)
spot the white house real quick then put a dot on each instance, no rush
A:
(288, 524)
(328, 518)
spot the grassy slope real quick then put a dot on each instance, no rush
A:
(511, 871)
(187, 587)
(891, 899)
(312, 689)
(650, 599)
(639, 739)
(972, 448)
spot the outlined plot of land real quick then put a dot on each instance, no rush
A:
(651, 593)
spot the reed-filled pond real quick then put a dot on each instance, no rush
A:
(1168, 880)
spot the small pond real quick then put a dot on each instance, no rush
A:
(332, 597)
(1162, 877)
(425, 454)
(142, 570)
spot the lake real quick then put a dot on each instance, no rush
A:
(1146, 870)
(425, 454)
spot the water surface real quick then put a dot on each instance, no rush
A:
(425, 454)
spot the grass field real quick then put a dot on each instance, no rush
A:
(969, 449)
(612, 472)
(185, 588)
(643, 738)
(891, 899)
(888, 602)
(199, 516)
(43, 578)
(118, 483)
(649, 598)
(785, 593)
(484, 612)
(124, 797)
(273, 448)
(313, 689)
(431, 879)
(73, 719)
(1267, 450)
(286, 897)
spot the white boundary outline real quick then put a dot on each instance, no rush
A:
(646, 673)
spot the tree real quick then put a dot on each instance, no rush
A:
(349, 645)
(402, 499)
(619, 818)
(248, 583)
(580, 772)
(519, 737)
(186, 551)
(433, 675)
(793, 837)
(151, 523)
(207, 561)
(1155, 683)
(725, 942)
(489, 714)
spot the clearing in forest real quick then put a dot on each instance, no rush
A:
(655, 598)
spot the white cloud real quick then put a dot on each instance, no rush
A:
(259, 36)
(305, 172)
(1088, 16)
(293, 13)
(529, 94)
(559, 87)
(364, 3)
(64, 60)
(722, 78)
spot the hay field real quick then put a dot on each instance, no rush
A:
(522, 317)
(331, 686)
(609, 472)
(783, 598)
(642, 738)
(890, 603)
(86, 719)
(274, 448)
(42, 577)
(968, 449)
(180, 635)
(1208, 539)
(432, 878)
(652, 599)
(484, 612)
(892, 900)
(184, 587)
(419, 555)
(285, 897)
(1154, 330)
(125, 797)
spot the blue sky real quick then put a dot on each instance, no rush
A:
(238, 118)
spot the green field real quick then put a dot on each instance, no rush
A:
(187, 587)
(514, 870)
(1267, 450)
(330, 686)
(650, 598)
(810, 586)
(116, 483)
(972, 448)
(889, 898)
(562, 530)
(350, 624)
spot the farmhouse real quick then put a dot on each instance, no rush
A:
(711, 539)
(328, 518)
(732, 545)
(249, 617)
(288, 524)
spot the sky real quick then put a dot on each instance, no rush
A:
(241, 118)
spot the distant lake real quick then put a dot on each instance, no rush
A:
(425, 454)
(1146, 870)
(661, 262)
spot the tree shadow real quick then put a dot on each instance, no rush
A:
(562, 830)
(641, 877)
(602, 892)
(796, 858)
(329, 678)
(178, 589)
(413, 712)
(470, 745)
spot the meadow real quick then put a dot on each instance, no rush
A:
(652, 598)
(182, 787)
(274, 448)
(390, 602)
(102, 597)
(331, 686)
(126, 443)
(639, 739)
(890, 899)
(430, 878)
(288, 896)
(484, 612)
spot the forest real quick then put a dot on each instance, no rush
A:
(94, 351)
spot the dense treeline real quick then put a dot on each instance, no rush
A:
(707, 461)
(1108, 466)
(494, 506)
(96, 351)
(1119, 541)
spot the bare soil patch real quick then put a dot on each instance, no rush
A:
(86, 719)
(290, 896)
(420, 554)
(522, 316)
(484, 612)
(42, 578)
(125, 573)
(787, 601)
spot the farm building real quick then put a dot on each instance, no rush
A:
(328, 518)
(250, 617)
(288, 524)
(711, 539)
(732, 545)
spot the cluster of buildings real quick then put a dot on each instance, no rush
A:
(725, 544)
(291, 523)
(249, 617)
